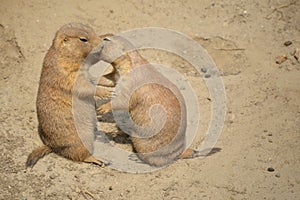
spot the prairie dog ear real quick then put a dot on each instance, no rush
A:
(65, 41)
(61, 40)
(102, 37)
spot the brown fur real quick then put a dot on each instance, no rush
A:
(71, 45)
(169, 143)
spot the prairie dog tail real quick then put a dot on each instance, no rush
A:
(37, 154)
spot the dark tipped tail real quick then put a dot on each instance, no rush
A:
(192, 153)
(37, 154)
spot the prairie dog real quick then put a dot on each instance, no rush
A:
(61, 67)
(166, 143)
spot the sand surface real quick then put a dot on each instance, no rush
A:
(262, 126)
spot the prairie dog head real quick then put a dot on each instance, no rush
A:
(113, 48)
(74, 41)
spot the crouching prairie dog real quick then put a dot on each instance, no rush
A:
(156, 143)
(61, 67)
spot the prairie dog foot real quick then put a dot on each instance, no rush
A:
(190, 153)
(103, 92)
(135, 158)
(105, 108)
(101, 163)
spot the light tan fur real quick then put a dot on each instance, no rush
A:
(71, 45)
(169, 143)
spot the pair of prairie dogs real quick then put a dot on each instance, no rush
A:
(77, 44)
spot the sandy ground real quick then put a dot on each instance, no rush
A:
(262, 125)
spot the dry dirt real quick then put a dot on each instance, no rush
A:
(244, 38)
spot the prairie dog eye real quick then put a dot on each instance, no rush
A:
(106, 39)
(83, 39)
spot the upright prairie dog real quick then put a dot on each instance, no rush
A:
(61, 67)
(168, 143)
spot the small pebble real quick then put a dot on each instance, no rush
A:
(52, 176)
(280, 59)
(288, 43)
(110, 187)
(277, 175)
(203, 69)
(49, 168)
(207, 75)
(271, 169)
(270, 134)
(296, 55)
